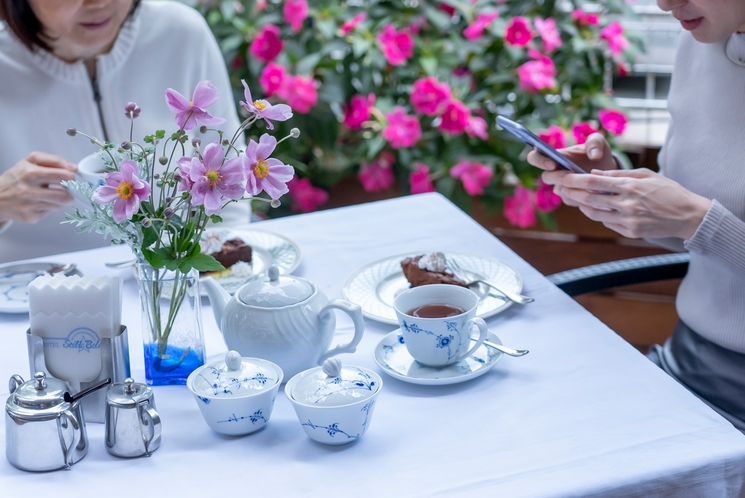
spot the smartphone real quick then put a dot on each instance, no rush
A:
(529, 138)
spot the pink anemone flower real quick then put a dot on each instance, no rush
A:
(265, 110)
(265, 173)
(215, 179)
(125, 189)
(192, 113)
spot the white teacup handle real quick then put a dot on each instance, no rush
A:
(355, 313)
(483, 330)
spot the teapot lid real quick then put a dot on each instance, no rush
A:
(128, 394)
(275, 290)
(234, 377)
(334, 385)
(41, 397)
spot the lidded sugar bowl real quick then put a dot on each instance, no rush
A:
(43, 431)
(334, 403)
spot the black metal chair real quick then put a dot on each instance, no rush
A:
(622, 272)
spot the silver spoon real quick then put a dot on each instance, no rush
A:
(120, 264)
(461, 274)
(506, 350)
(67, 269)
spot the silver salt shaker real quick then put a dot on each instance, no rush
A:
(133, 426)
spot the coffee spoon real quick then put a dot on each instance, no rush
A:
(506, 350)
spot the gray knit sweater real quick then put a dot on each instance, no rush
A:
(705, 152)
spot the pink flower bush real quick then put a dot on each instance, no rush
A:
(358, 110)
(518, 209)
(613, 121)
(267, 44)
(398, 46)
(403, 130)
(581, 131)
(263, 109)
(350, 25)
(518, 32)
(537, 74)
(456, 118)
(477, 27)
(301, 93)
(192, 113)
(265, 173)
(295, 12)
(272, 78)
(554, 136)
(475, 176)
(545, 199)
(305, 197)
(215, 180)
(585, 19)
(613, 34)
(125, 189)
(549, 34)
(429, 97)
(477, 128)
(377, 175)
(419, 179)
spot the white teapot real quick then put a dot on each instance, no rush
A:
(283, 319)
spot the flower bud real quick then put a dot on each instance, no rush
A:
(132, 110)
(169, 199)
(126, 145)
(163, 160)
(275, 203)
(168, 212)
(72, 132)
(225, 142)
(196, 142)
(146, 222)
(156, 176)
(294, 133)
(202, 129)
(186, 195)
(177, 177)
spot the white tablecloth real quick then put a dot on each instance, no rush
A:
(584, 414)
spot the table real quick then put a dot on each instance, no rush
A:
(584, 414)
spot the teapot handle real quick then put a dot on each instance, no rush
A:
(68, 451)
(148, 416)
(355, 313)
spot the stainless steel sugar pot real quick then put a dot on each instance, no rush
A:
(133, 426)
(43, 431)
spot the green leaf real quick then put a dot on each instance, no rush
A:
(154, 258)
(308, 63)
(215, 219)
(160, 134)
(548, 220)
(360, 46)
(437, 17)
(202, 262)
(150, 235)
(429, 64)
(374, 146)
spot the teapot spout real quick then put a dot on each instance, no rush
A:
(218, 296)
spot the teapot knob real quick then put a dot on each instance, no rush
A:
(233, 360)
(332, 367)
(128, 389)
(41, 384)
(273, 273)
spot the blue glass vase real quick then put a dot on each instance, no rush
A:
(171, 324)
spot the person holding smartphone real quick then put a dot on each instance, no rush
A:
(696, 202)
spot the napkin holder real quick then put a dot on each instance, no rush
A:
(114, 365)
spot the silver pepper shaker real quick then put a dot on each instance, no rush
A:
(133, 426)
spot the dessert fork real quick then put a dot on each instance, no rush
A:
(461, 274)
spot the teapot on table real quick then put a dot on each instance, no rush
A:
(283, 319)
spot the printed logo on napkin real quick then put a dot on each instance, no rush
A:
(80, 339)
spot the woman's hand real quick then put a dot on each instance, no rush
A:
(636, 203)
(31, 189)
(595, 153)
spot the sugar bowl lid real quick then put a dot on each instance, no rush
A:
(128, 394)
(234, 377)
(335, 385)
(275, 290)
(39, 398)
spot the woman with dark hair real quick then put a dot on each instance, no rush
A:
(77, 64)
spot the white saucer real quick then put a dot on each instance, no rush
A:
(394, 359)
(14, 280)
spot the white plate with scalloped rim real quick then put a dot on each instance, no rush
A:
(14, 280)
(394, 359)
(375, 285)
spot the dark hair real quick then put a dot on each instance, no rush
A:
(23, 23)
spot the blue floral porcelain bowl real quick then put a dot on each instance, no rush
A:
(236, 396)
(333, 403)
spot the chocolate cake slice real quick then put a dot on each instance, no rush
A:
(232, 251)
(419, 276)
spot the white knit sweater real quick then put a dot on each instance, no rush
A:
(165, 45)
(705, 152)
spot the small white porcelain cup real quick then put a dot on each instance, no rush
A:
(438, 342)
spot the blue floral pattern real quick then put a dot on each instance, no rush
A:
(443, 341)
(333, 429)
(254, 418)
(358, 381)
(225, 383)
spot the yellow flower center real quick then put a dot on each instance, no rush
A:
(125, 191)
(261, 168)
(259, 105)
(213, 178)
(191, 103)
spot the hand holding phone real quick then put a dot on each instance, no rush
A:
(531, 139)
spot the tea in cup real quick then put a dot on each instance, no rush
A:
(436, 323)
